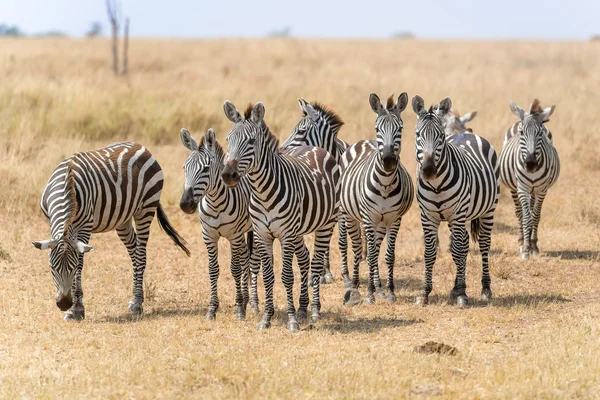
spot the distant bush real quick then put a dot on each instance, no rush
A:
(403, 35)
(7, 30)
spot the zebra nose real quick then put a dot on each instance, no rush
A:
(428, 168)
(389, 158)
(187, 203)
(64, 302)
(530, 162)
(230, 174)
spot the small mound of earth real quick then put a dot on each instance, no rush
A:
(435, 347)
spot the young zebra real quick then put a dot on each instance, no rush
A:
(293, 194)
(376, 191)
(455, 124)
(319, 127)
(529, 166)
(223, 213)
(457, 181)
(98, 191)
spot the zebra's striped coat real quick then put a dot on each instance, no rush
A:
(99, 191)
(223, 213)
(293, 194)
(529, 166)
(457, 181)
(376, 192)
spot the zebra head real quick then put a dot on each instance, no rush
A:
(388, 128)
(241, 141)
(533, 133)
(64, 258)
(202, 168)
(454, 123)
(307, 129)
(430, 140)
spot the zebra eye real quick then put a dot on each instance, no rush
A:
(251, 141)
(205, 168)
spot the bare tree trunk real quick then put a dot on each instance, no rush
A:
(125, 47)
(113, 10)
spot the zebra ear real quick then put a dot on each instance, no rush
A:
(83, 248)
(468, 117)
(518, 111)
(311, 112)
(210, 139)
(402, 102)
(302, 103)
(258, 113)
(375, 103)
(545, 115)
(418, 104)
(44, 244)
(187, 140)
(445, 106)
(231, 112)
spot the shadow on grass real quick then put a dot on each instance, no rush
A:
(501, 227)
(408, 283)
(160, 313)
(520, 300)
(573, 254)
(367, 325)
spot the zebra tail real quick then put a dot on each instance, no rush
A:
(250, 240)
(475, 230)
(164, 223)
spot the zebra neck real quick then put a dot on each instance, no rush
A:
(384, 178)
(216, 195)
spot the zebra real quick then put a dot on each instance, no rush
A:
(223, 213)
(455, 124)
(457, 181)
(99, 191)
(294, 193)
(319, 127)
(376, 191)
(529, 166)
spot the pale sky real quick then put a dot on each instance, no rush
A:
(463, 19)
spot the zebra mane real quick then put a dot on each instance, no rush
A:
(390, 102)
(70, 194)
(536, 107)
(328, 114)
(248, 111)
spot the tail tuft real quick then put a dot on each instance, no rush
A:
(164, 223)
(475, 229)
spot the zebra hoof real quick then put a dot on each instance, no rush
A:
(293, 326)
(370, 299)
(135, 308)
(462, 301)
(524, 256)
(301, 316)
(534, 252)
(391, 298)
(352, 297)
(262, 325)
(486, 294)
(379, 294)
(315, 315)
(328, 278)
(74, 315)
(348, 284)
(240, 313)
(422, 300)
(322, 280)
(254, 308)
(210, 316)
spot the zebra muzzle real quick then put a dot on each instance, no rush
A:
(531, 162)
(187, 203)
(428, 169)
(64, 301)
(230, 174)
(389, 158)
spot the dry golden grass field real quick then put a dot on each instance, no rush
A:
(538, 338)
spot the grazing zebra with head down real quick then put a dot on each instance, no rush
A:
(529, 166)
(319, 127)
(457, 181)
(293, 194)
(98, 191)
(376, 191)
(223, 213)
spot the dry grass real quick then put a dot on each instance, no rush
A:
(538, 338)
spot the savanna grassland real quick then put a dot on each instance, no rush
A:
(538, 338)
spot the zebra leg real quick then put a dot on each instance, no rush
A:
(239, 266)
(519, 213)
(142, 228)
(77, 311)
(303, 258)
(525, 200)
(390, 258)
(265, 246)
(374, 239)
(327, 276)
(287, 277)
(343, 246)
(460, 248)
(129, 238)
(485, 238)
(352, 295)
(322, 239)
(212, 247)
(536, 214)
(430, 236)
(254, 270)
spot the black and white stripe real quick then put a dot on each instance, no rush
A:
(529, 166)
(223, 213)
(376, 192)
(293, 194)
(99, 191)
(457, 181)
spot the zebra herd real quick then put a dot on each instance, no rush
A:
(257, 191)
